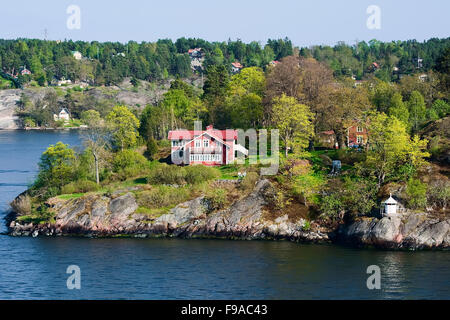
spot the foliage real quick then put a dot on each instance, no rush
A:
(392, 155)
(439, 194)
(249, 182)
(152, 148)
(417, 110)
(199, 174)
(294, 121)
(416, 194)
(162, 196)
(56, 167)
(129, 163)
(79, 186)
(124, 125)
(217, 199)
(175, 175)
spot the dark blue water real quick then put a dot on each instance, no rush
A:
(193, 269)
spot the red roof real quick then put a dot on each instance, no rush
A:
(330, 132)
(237, 65)
(228, 134)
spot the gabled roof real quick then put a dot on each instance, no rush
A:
(237, 65)
(228, 134)
(209, 134)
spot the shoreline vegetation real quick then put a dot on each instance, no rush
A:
(354, 129)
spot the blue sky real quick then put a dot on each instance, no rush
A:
(304, 22)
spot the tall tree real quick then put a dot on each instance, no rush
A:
(124, 125)
(294, 120)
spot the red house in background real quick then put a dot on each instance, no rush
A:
(357, 135)
(210, 147)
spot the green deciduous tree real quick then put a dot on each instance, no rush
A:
(124, 125)
(294, 120)
(398, 108)
(417, 110)
(56, 166)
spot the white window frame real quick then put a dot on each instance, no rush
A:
(198, 143)
(205, 143)
(359, 139)
(359, 129)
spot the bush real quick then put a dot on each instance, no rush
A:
(249, 182)
(217, 199)
(439, 194)
(175, 175)
(416, 194)
(128, 164)
(199, 174)
(80, 186)
(167, 174)
(152, 148)
(331, 205)
(162, 196)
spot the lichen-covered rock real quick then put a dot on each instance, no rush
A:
(412, 231)
(97, 215)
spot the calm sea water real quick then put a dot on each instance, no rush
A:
(193, 269)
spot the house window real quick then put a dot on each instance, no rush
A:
(206, 143)
(359, 129)
(360, 139)
(198, 144)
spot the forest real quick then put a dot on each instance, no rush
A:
(109, 63)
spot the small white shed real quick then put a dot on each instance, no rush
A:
(390, 207)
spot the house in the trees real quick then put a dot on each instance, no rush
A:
(357, 135)
(63, 115)
(197, 57)
(236, 67)
(77, 55)
(209, 147)
(327, 139)
(24, 71)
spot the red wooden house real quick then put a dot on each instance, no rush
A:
(357, 135)
(210, 147)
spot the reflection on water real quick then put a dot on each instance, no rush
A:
(193, 269)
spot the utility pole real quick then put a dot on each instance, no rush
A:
(45, 34)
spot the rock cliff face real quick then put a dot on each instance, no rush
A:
(8, 105)
(411, 231)
(100, 216)
(96, 215)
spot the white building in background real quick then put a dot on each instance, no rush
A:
(77, 55)
(62, 115)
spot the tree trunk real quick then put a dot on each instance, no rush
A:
(97, 175)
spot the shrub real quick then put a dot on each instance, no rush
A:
(416, 194)
(217, 199)
(331, 205)
(167, 174)
(129, 164)
(152, 148)
(199, 174)
(249, 181)
(80, 186)
(162, 196)
(439, 194)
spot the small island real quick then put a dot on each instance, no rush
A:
(362, 154)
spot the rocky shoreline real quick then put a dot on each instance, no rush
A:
(101, 216)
